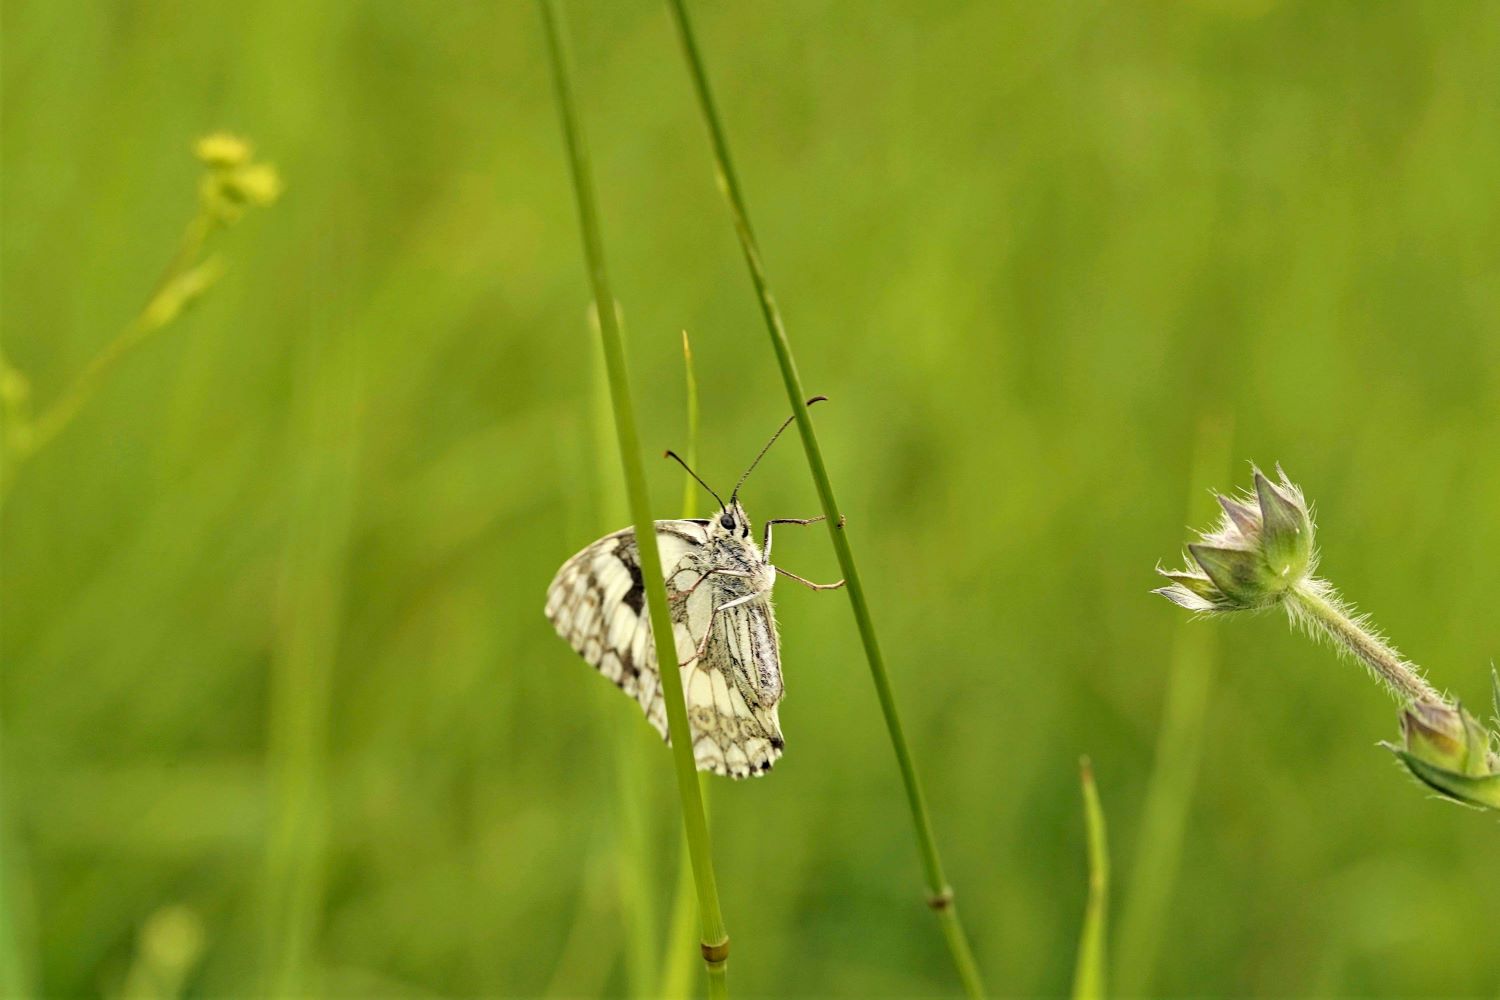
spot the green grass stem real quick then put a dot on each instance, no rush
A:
(15, 976)
(1179, 752)
(184, 280)
(1089, 977)
(689, 486)
(226, 190)
(311, 595)
(677, 965)
(633, 842)
(715, 939)
(939, 892)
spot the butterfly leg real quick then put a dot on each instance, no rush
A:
(766, 543)
(713, 572)
(807, 583)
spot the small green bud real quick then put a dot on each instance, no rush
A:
(1437, 734)
(1261, 549)
(1447, 749)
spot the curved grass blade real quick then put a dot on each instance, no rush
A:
(1089, 976)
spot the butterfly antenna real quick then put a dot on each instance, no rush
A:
(678, 459)
(785, 424)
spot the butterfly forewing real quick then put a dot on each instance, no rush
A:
(597, 603)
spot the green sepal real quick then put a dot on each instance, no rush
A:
(1239, 574)
(1481, 792)
(1477, 739)
(1286, 531)
(1242, 517)
(1195, 582)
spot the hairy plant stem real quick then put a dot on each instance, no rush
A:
(1313, 604)
(715, 940)
(939, 893)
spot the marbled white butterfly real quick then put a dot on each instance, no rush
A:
(719, 590)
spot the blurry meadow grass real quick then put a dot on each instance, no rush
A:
(278, 699)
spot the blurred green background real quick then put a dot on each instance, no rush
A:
(276, 679)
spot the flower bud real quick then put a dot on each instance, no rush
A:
(232, 183)
(1437, 734)
(1261, 548)
(1447, 749)
(222, 150)
(257, 184)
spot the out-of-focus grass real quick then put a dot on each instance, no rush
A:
(1023, 248)
(1091, 970)
(1167, 802)
(311, 590)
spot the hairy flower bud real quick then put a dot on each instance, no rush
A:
(1261, 548)
(1451, 751)
(1261, 555)
(1447, 749)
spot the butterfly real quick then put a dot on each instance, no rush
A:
(724, 628)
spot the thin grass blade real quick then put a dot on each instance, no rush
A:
(1179, 752)
(939, 892)
(1089, 977)
(715, 940)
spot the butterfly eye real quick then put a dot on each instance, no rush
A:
(727, 522)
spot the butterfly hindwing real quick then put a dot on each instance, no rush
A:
(735, 728)
(597, 603)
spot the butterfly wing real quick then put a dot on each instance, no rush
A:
(732, 692)
(597, 603)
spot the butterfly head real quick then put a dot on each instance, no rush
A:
(731, 521)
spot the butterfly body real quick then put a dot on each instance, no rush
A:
(725, 643)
